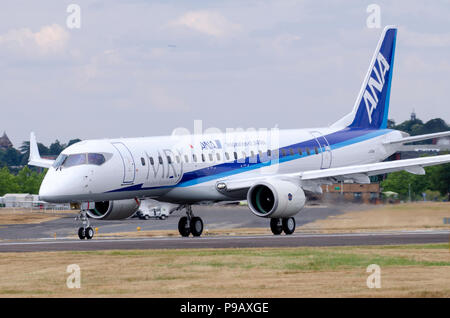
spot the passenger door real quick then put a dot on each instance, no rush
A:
(325, 149)
(129, 166)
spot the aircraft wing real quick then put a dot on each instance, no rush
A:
(414, 166)
(311, 180)
(418, 138)
(35, 158)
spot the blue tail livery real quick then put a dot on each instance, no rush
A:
(372, 105)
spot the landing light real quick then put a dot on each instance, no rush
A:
(221, 186)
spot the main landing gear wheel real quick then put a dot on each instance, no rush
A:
(282, 225)
(184, 227)
(196, 226)
(190, 224)
(276, 226)
(288, 226)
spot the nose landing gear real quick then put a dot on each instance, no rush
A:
(190, 224)
(84, 232)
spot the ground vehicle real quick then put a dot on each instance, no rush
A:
(154, 209)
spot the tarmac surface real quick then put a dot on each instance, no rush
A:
(214, 217)
(41, 237)
(296, 240)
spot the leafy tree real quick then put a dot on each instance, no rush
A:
(390, 123)
(56, 148)
(73, 141)
(402, 181)
(8, 183)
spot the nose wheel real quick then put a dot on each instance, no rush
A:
(85, 231)
(190, 224)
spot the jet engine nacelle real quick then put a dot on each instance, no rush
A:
(114, 210)
(276, 199)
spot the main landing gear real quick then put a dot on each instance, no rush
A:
(85, 231)
(190, 224)
(278, 226)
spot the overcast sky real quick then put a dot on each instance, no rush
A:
(142, 68)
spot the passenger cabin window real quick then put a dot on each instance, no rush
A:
(169, 160)
(283, 152)
(269, 153)
(316, 150)
(300, 151)
(218, 156)
(235, 155)
(186, 158)
(194, 157)
(143, 161)
(160, 160)
(227, 156)
(211, 157)
(152, 162)
(203, 157)
(291, 151)
(307, 151)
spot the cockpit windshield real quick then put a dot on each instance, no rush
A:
(96, 159)
(75, 160)
(67, 161)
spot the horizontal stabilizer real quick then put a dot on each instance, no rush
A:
(418, 138)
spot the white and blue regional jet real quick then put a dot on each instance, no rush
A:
(107, 179)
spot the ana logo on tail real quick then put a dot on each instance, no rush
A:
(370, 95)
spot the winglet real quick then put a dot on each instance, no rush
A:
(35, 158)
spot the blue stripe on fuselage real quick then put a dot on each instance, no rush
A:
(339, 139)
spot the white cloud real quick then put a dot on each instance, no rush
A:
(207, 22)
(422, 39)
(50, 39)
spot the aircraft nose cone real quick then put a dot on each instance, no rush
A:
(46, 193)
(52, 189)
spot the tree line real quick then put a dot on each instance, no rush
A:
(25, 181)
(435, 184)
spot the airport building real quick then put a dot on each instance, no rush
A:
(352, 192)
(16, 200)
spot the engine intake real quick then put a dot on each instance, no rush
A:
(114, 210)
(276, 199)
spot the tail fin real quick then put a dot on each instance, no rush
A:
(372, 105)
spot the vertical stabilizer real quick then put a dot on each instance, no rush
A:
(372, 105)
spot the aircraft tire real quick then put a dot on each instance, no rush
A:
(196, 226)
(288, 226)
(184, 231)
(81, 233)
(275, 226)
(89, 233)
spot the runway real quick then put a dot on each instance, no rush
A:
(259, 241)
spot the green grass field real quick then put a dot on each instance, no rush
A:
(406, 271)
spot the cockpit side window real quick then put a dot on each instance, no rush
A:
(59, 161)
(96, 159)
(75, 160)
